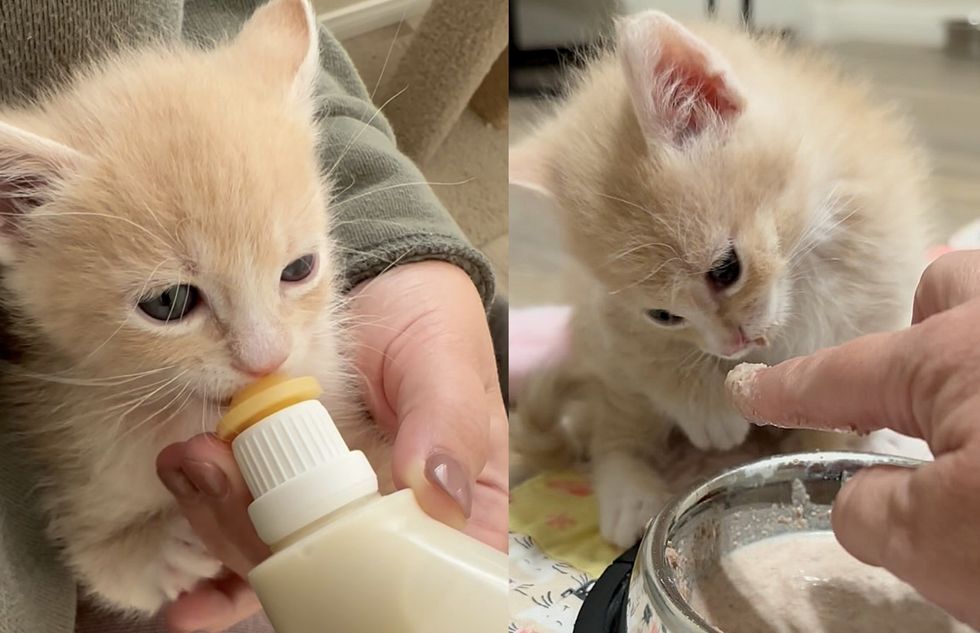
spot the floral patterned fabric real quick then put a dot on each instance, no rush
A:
(545, 594)
(556, 552)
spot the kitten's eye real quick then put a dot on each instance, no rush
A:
(299, 269)
(726, 271)
(665, 318)
(173, 304)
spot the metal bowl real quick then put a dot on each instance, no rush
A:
(777, 495)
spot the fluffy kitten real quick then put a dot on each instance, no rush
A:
(164, 241)
(729, 199)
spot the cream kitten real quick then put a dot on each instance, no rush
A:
(729, 199)
(165, 241)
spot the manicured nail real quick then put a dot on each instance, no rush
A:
(445, 472)
(207, 477)
(740, 383)
(178, 484)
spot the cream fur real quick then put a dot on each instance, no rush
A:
(158, 167)
(820, 188)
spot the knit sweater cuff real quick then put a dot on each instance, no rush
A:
(378, 258)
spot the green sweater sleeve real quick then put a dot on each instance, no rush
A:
(385, 214)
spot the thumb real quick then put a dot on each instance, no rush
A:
(444, 432)
(871, 516)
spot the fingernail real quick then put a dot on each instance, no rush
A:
(739, 383)
(445, 472)
(207, 477)
(177, 483)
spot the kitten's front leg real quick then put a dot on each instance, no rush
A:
(142, 566)
(630, 493)
(698, 403)
(722, 429)
(625, 440)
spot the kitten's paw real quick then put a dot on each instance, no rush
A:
(627, 503)
(723, 432)
(185, 561)
(147, 567)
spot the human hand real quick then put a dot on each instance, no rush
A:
(202, 475)
(920, 524)
(426, 361)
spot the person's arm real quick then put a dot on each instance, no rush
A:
(384, 212)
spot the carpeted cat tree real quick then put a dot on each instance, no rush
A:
(456, 58)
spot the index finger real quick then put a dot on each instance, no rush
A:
(860, 386)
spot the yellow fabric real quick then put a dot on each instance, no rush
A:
(558, 510)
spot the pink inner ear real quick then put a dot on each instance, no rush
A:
(697, 91)
(697, 98)
(706, 93)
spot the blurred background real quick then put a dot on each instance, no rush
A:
(922, 54)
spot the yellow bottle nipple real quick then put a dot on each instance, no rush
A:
(262, 398)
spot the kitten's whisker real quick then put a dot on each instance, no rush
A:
(382, 353)
(153, 393)
(387, 268)
(808, 242)
(629, 251)
(653, 216)
(58, 214)
(156, 219)
(111, 381)
(115, 395)
(691, 361)
(645, 278)
(134, 402)
(338, 194)
(357, 136)
(183, 396)
(124, 320)
(391, 47)
(389, 188)
(150, 417)
(368, 386)
(357, 320)
(174, 394)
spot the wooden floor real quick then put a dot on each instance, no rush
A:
(940, 94)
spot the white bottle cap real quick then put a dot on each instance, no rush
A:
(298, 469)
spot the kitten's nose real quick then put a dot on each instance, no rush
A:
(259, 367)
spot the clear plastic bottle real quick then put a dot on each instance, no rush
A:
(345, 558)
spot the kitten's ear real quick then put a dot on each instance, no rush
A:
(282, 41)
(526, 168)
(679, 85)
(31, 169)
(528, 179)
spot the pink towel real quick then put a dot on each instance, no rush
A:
(536, 335)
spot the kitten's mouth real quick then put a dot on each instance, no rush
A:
(747, 346)
(222, 402)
